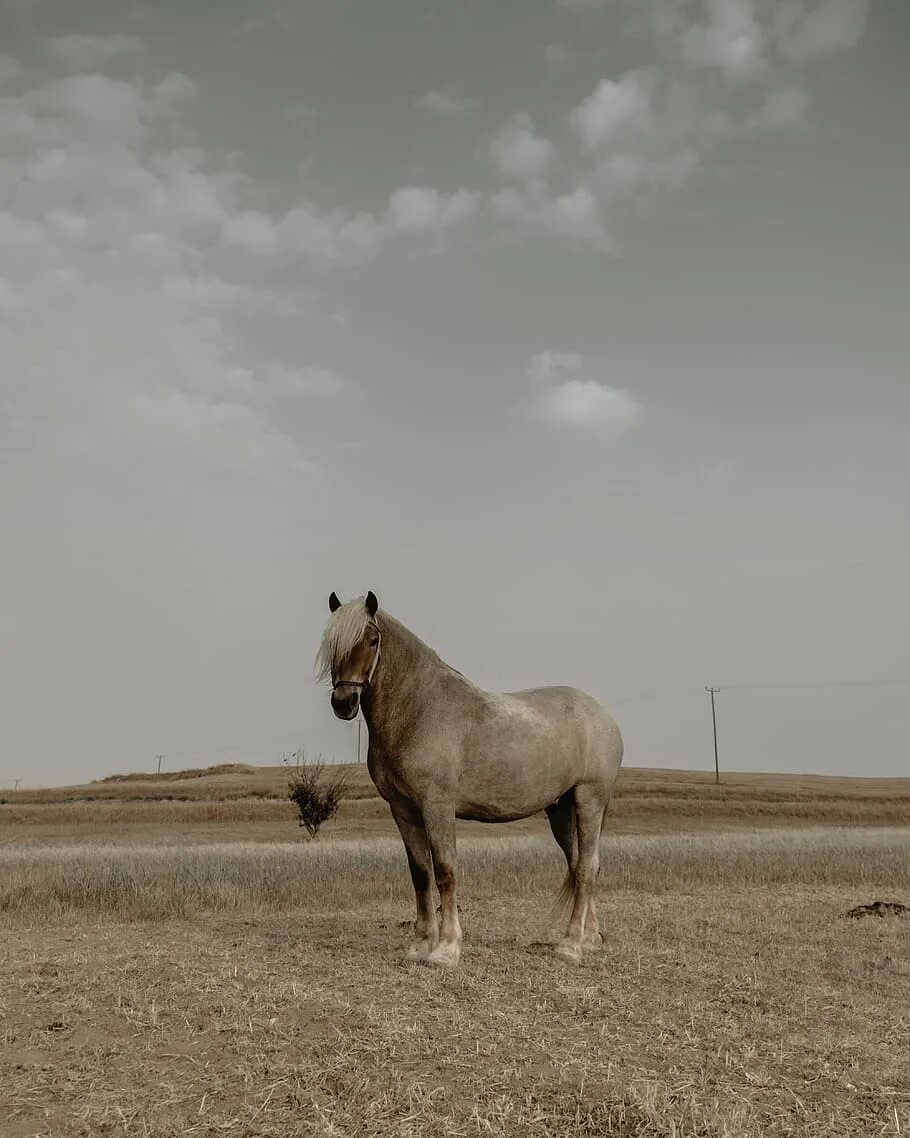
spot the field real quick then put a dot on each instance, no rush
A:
(177, 960)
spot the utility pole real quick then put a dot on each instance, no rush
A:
(359, 726)
(160, 758)
(713, 692)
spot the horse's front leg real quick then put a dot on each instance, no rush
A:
(439, 820)
(420, 864)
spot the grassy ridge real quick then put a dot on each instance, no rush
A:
(237, 792)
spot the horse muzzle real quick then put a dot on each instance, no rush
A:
(346, 703)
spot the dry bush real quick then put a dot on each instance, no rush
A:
(315, 792)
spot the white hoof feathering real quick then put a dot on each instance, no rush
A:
(569, 950)
(420, 950)
(446, 955)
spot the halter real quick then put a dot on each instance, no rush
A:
(361, 684)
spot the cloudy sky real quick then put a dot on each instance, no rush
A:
(575, 329)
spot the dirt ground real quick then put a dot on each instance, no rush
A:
(721, 1012)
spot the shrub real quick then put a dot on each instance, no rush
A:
(315, 792)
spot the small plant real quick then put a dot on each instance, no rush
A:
(315, 792)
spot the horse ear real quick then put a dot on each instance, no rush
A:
(371, 603)
(334, 603)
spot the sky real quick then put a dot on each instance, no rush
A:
(577, 330)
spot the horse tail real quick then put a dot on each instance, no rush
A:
(564, 901)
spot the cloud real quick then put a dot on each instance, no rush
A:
(300, 113)
(557, 57)
(581, 7)
(610, 109)
(86, 53)
(731, 40)
(446, 104)
(805, 31)
(422, 208)
(10, 69)
(120, 317)
(786, 109)
(519, 152)
(534, 212)
(562, 397)
(326, 238)
(304, 381)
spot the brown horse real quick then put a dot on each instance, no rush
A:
(441, 748)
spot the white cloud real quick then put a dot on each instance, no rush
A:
(446, 104)
(557, 57)
(87, 52)
(118, 318)
(10, 69)
(613, 106)
(252, 230)
(421, 208)
(731, 40)
(581, 7)
(783, 109)
(805, 31)
(330, 237)
(533, 212)
(564, 398)
(299, 113)
(304, 381)
(519, 152)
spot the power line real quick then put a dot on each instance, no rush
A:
(818, 686)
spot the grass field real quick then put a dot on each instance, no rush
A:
(169, 973)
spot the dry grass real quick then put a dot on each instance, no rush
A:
(236, 793)
(157, 882)
(750, 1013)
(178, 977)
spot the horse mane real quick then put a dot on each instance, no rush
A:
(344, 630)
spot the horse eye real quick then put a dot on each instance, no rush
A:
(374, 641)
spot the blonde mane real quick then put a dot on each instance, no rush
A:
(343, 632)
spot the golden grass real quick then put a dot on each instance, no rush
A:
(235, 793)
(711, 1013)
(160, 979)
(155, 882)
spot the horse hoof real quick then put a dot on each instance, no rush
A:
(445, 955)
(420, 950)
(595, 941)
(569, 950)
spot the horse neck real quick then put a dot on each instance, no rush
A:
(402, 683)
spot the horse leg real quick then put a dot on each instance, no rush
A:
(420, 864)
(589, 812)
(439, 820)
(561, 816)
(593, 935)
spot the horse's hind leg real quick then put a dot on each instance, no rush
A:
(589, 812)
(561, 816)
(593, 935)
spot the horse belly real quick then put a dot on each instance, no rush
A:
(505, 791)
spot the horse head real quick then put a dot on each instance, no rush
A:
(349, 651)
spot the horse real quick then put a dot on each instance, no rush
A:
(442, 748)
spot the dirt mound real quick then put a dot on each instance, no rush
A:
(880, 909)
